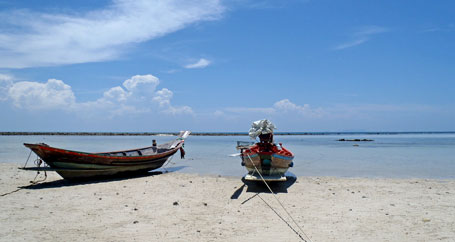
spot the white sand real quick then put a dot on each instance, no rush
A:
(222, 209)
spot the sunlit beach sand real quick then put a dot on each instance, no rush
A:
(189, 207)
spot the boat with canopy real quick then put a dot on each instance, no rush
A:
(264, 159)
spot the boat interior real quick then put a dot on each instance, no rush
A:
(147, 151)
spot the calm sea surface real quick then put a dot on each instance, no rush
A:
(389, 155)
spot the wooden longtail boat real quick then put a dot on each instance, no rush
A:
(264, 157)
(81, 165)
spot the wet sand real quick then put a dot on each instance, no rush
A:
(187, 207)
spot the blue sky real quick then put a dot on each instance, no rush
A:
(142, 66)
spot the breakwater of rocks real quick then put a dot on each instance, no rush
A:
(211, 133)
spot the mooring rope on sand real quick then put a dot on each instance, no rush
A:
(270, 189)
(38, 163)
(8, 193)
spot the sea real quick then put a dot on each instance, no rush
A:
(388, 155)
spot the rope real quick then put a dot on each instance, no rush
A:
(298, 234)
(34, 182)
(168, 161)
(270, 189)
(249, 198)
(38, 163)
(8, 193)
(29, 154)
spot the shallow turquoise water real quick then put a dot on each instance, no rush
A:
(389, 156)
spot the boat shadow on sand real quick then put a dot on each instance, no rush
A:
(120, 177)
(260, 187)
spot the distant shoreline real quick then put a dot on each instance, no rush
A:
(207, 133)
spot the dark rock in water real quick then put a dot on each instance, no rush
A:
(355, 140)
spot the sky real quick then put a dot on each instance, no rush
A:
(217, 66)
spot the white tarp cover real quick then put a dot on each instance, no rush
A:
(261, 127)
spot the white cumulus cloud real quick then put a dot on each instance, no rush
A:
(5, 84)
(116, 94)
(201, 63)
(287, 106)
(278, 108)
(54, 94)
(136, 80)
(5, 77)
(30, 39)
(163, 97)
(137, 95)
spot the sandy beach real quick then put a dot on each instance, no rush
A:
(187, 207)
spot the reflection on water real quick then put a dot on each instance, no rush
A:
(395, 156)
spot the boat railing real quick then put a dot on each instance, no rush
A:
(244, 144)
